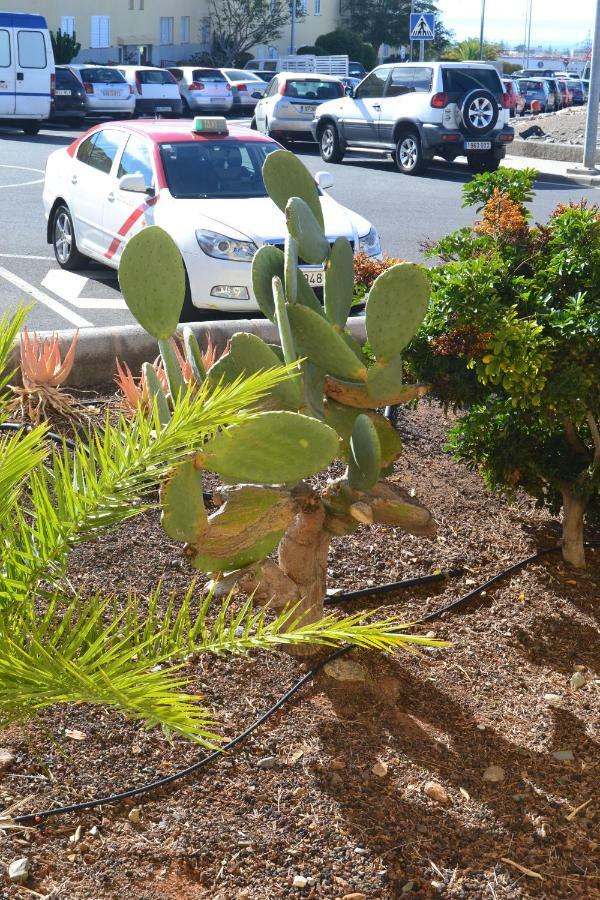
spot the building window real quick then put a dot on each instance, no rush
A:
(317, 7)
(184, 33)
(100, 31)
(166, 29)
(205, 31)
(67, 24)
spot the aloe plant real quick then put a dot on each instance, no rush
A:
(327, 409)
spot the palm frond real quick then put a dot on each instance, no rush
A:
(20, 454)
(11, 324)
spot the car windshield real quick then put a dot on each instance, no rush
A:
(241, 75)
(313, 89)
(208, 75)
(532, 85)
(102, 76)
(215, 169)
(459, 81)
(154, 76)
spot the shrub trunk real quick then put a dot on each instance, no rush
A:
(572, 536)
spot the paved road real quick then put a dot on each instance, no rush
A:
(406, 211)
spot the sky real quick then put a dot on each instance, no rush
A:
(552, 20)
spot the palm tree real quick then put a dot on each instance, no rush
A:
(57, 646)
(469, 49)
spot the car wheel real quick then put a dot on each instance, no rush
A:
(329, 144)
(63, 240)
(31, 128)
(409, 154)
(483, 162)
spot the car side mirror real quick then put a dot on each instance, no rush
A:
(324, 180)
(349, 90)
(135, 183)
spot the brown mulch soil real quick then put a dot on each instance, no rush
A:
(237, 830)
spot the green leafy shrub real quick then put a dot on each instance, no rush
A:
(512, 337)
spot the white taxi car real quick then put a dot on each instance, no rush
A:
(201, 181)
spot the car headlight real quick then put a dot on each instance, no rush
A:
(369, 243)
(223, 247)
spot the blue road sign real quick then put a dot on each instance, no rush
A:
(422, 26)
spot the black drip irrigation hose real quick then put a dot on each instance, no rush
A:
(50, 435)
(37, 818)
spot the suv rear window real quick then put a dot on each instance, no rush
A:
(209, 75)
(532, 85)
(102, 76)
(149, 76)
(459, 81)
(66, 79)
(312, 89)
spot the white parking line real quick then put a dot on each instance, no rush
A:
(22, 183)
(25, 256)
(52, 304)
(69, 285)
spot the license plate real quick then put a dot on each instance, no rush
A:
(163, 109)
(478, 145)
(215, 100)
(61, 93)
(315, 277)
(307, 109)
(111, 93)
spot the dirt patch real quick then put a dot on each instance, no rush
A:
(567, 126)
(242, 831)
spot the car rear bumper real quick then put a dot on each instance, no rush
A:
(218, 104)
(292, 126)
(435, 140)
(108, 108)
(148, 107)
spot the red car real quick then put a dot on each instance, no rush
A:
(516, 100)
(565, 92)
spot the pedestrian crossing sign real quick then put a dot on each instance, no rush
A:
(422, 26)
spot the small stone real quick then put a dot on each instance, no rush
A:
(380, 769)
(436, 791)
(494, 774)
(346, 670)
(76, 836)
(267, 762)
(564, 755)
(578, 680)
(552, 699)
(333, 592)
(438, 885)
(94, 831)
(362, 851)
(7, 758)
(19, 870)
(430, 635)
(480, 727)
(299, 881)
(355, 896)
(408, 887)
(135, 815)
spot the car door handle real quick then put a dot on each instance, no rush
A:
(111, 197)
(376, 106)
(74, 179)
(20, 76)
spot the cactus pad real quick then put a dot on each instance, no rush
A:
(285, 176)
(313, 246)
(365, 454)
(183, 514)
(384, 381)
(271, 448)
(396, 306)
(172, 368)
(355, 394)
(194, 355)
(339, 282)
(342, 419)
(267, 263)
(152, 280)
(250, 354)
(319, 341)
(156, 392)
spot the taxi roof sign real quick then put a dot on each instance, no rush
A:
(214, 125)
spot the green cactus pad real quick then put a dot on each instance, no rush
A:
(155, 389)
(342, 419)
(183, 513)
(313, 246)
(323, 345)
(339, 282)
(314, 379)
(288, 345)
(267, 263)
(250, 354)
(355, 394)
(223, 370)
(396, 306)
(384, 381)
(354, 345)
(172, 368)
(271, 448)
(285, 176)
(291, 269)
(365, 454)
(152, 280)
(306, 295)
(245, 529)
(194, 355)
(393, 506)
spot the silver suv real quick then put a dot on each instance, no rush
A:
(418, 111)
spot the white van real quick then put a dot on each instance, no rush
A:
(26, 71)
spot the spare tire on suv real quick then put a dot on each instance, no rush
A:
(479, 111)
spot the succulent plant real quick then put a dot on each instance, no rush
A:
(43, 372)
(326, 410)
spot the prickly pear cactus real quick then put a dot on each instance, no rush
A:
(329, 411)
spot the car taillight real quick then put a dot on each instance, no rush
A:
(439, 101)
(196, 86)
(138, 84)
(242, 87)
(282, 88)
(88, 87)
(506, 101)
(52, 86)
(131, 90)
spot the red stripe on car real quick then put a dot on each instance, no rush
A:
(129, 223)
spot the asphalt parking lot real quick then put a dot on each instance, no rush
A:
(405, 210)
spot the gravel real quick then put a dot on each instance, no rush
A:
(567, 126)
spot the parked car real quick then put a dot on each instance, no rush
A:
(356, 70)
(202, 182)
(516, 101)
(26, 71)
(155, 90)
(565, 92)
(202, 89)
(556, 92)
(420, 110)
(246, 87)
(289, 105)
(263, 74)
(578, 91)
(537, 94)
(69, 97)
(106, 91)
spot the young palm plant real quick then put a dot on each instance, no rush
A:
(61, 647)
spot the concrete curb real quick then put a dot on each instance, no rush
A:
(537, 153)
(97, 348)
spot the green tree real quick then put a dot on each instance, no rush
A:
(513, 339)
(345, 41)
(382, 21)
(469, 49)
(64, 46)
(237, 26)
